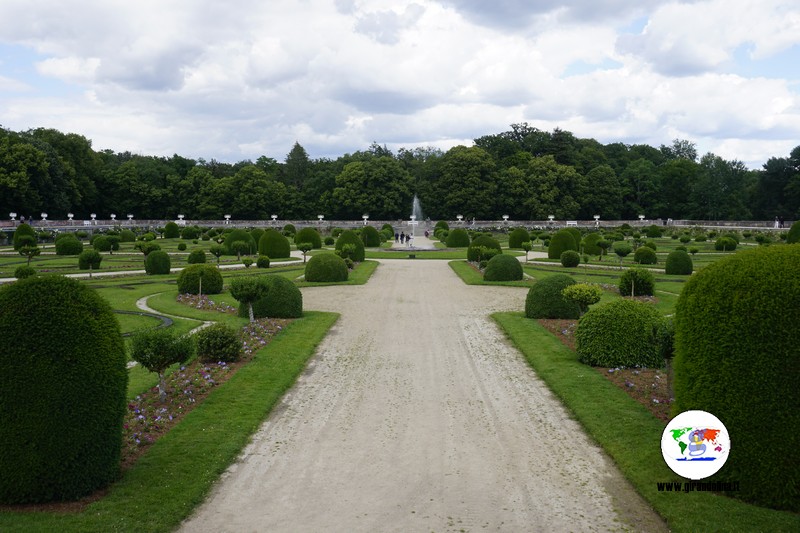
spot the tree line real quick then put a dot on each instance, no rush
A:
(525, 173)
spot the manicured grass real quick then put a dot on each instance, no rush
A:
(176, 474)
(359, 276)
(130, 323)
(631, 435)
(472, 277)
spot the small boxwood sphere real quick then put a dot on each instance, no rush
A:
(101, 243)
(644, 255)
(736, 356)
(171, 230)
(517, 237)
(23, 235)
(218, 342)
(62, 391)
(503, 268)
(239, 234)
(24, 271)
(679, 262)
(262, 261)
(457, 238)
(282, 299)
(189, 279)
(639, 280)
(182, 247)
(157, 262)
(570, 259)
(196, 256)
(370, 237)
(274, 245)
(326, 267)
(562, 241)
(482, 240)
(349, 237)
(329, 241)
(620, 333)
(309, 235)
(68, 245)
(725, 244)
(545, 300)
(89, 259)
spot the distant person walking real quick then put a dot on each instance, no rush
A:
(396, 237)
(777, 223)
(402, 237)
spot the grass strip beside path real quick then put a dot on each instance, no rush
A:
(176, 474)
(470, 276)
(631, 436)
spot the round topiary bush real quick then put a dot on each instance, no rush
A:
(326, 267)
(62, 391)
(89, 259)
(309, 235)
(503, 268)
(621, 333)
(196, 256)
(640, 281)
(282, 299)
(793, 236)
(545, 300)
(181, 246)
(24, 235)
(482, 241)
(725, 244)
(262, 261)
(101, 243)
(157, 262)
(441, 224)
(590, 244)
(218, 342)
(654, 232)
(189, 279)
(517, 237)
(562, 241)
(736, 356)
(290, 229)
(349, 237)
(329, 241)
(239, 234)
(24, 271)
(190, 233)
(570, 259)
(68, 244)
(127, 235)
(457, 238)
(679, 262)
(274, 245)
(644, 255)
(370, 237)
(171, 230)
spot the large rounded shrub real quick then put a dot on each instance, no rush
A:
(311, 236)
(640, 281)
(794, 233)
(274, 245)
(24, 235)
(189, 279)
(157, 262)
(725, 244)
(570, 259)
(68, 244)
(171, 230)
(370, 237)
(282, 299)
(644, 255)
(562, 241)
(127, 235)
(621, 333)
(503, 268)
(679, 262)
(62, 391)
(89, 259)
(736, 356)
(290, 229)
(441, 224)
(457, 238)
(590, 244)
(326, 267)
(349, 237)
(239, 235)
(196, 256)
(517, 237)
(545, 300)
(473, 252)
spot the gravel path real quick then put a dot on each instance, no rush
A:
(417, 415)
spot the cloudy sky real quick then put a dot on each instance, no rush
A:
(241, 79)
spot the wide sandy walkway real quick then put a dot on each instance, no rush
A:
(416, 415)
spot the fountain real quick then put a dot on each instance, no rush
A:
(416, 208)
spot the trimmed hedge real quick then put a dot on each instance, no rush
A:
(570, 259)
(370, 237)
(349, 237)
(640, 280)
(457, 238)
(517, 237)
(282, 299)
(503, 268)
(157, 262)
(189, 279)
(311, 236)
(482, 240)
(736, 346)
(24, 271)
(545, 300)
(68, 244)
(326, 267)
(196, 256)
(23, 236)
(644, 255)
(621, 333)
(171, 230)
(679, 262)
(62, 391)
(240, 235)
(274, 245)
(218, 342)
(562, 241)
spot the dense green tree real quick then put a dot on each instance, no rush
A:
(467, 183)
(378, 186)
(601, 194)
